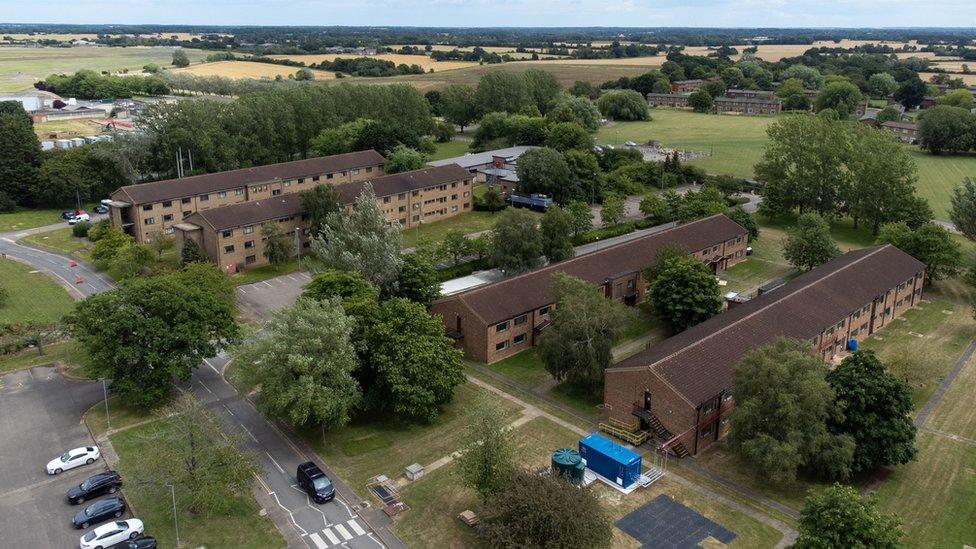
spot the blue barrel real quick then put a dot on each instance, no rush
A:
(851, 344)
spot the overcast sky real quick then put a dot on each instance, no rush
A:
(519, 13)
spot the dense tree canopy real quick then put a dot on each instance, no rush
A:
(555, 230)
(545, 171)
(947, 129)
(930, 243)
(623, 105)
(516, 241)
(20, 156)
(840, 517)
(683, 291)
(809, 243)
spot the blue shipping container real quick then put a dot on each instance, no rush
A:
(610, 460)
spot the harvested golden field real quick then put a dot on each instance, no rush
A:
(52, 36)
(643, 62)
(246, 69)
(969, 79)
(954, 66)
(426, 62)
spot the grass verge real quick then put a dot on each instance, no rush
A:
(31, 295)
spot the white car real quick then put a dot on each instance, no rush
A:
(111, 533)
(73, 458)
(79, 217)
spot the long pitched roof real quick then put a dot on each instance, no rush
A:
(698, 362)
(472, 160)
(277, 207)
(170, 189)
(513, 296)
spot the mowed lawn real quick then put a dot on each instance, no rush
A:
(28, 219)
(939, 175)
(467, 222)
(735, 142)
(450, 150)
(31, 295)
(59, 240)
(21, 67)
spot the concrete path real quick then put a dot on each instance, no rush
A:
(940, 391)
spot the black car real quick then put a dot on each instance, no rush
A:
(100, 511)
(95, 485)
(67, 214)
(147, 542)
(313, 481)
(100, 209)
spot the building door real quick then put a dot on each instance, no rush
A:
(645, 417)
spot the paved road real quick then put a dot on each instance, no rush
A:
(39, 418)
(340, 522)
(54, 265)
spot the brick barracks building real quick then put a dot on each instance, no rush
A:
(498, 320)
(149, 208)
(673, 100)
(231, 235)
(747, 105)
(681, 388)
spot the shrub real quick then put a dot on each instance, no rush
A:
(7, 204)
(604, 233)
(443, 132)
(80, 229)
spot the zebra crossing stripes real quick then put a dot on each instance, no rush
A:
(337, 534)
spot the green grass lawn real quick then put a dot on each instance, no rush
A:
(120, 415)
(524, 368)
(935, 496)
(366, 448)
(21, 67)
(68, 353)
(467, 222)
(241, 527)
(955, 412)
(938, 175)
(450, 150)
(265, 272)
(59, 240)
(32, 295)
(735, 142)
(28, 219)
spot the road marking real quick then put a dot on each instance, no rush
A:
(204, 385)
(356, 527)
(228, 410)
(266, 283)
(378, 542)
(280, 470)
(343, 532)
(317, 540)
(241, 290)
(248, 432)
(287, 510)
(207, 362)
(332, 537)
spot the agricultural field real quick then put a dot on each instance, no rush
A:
(425, 62)
(246, 69)
(953, 64)
(21, 67)
(969, 79)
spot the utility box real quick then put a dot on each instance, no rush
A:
(610, 460)
(414, 471)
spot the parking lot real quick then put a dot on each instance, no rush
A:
(261, 299)
(40, 416)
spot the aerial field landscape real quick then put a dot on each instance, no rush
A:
(246, 69)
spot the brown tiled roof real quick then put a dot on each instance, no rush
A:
(698, 362)
(899, 125)
(753, 100)
(508, 298)
(259, 211)
(249, 213)
(171, 189)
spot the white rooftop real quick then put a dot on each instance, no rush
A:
(472, 160)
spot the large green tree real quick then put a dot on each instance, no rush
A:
(809, 242)
(564, 136)
(883, 177)
(357, 293)
(576, 346)
(876, 407)
(149, 330)
(946, 129)
(317, 203)
(361, 241)
(963, 211)
(555, 230)
(404, 159)
(305, 363)
(277, 246)
(840, 517)
(20, 155)
(683, 291)
(623, 105)
(410, 368)
(458, 105)
(503, 91)
(930, 243)
(783, 411)
(545, 171)
(417, 280)
(516, 241)
(841, 96)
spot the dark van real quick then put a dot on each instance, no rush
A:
(313, 481)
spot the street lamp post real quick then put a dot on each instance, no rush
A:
(176, 524)
(108, 422)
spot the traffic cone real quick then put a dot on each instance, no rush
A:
(72, 263)
(78, 279)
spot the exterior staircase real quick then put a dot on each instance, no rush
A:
(663, 433)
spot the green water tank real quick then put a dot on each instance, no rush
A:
(567, 462)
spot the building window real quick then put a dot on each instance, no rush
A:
(402, 209)
(316, 178)
(238, 192)
(186, 200)
(276, 192)
(355, 171)
(454, 208)
(222, 194)
(149, 220)
(519, 320)
(416, 218)
(709, 431)
(168, 217)
(228, 249)
(204, 197)
(369, 169)
(501, 326)
(187, 213)
(544, 311)
(227, 234)
(501, 346)
(519, 339)
(301, 180)
(249, 244)
(386, 199)
(288, 183)
(167, 204)
(250, 259)
(147, 207)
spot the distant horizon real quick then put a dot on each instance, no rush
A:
(526, 27)
(716, 14)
